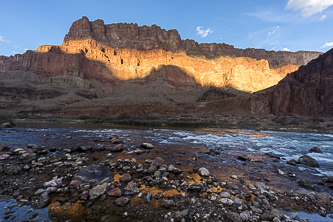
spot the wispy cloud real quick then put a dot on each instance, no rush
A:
(327, 44)
(203, 33)
(323, 17)
(285, 49)
(309, 7)
(3, 40)
(271, 14)
(14, 52)
(272, 32)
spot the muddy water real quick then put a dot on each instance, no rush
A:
(184, 148)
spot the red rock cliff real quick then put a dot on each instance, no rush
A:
(123, 35)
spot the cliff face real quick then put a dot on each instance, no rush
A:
(5, 61)
(308, 91)
(91, 60)
(305, 92)
(123, 35)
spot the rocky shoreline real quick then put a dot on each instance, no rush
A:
(112, 180)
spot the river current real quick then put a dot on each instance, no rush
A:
(286, 145)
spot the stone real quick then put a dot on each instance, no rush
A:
(225, 194)
(158, 161)
(94, 173)
(147, 146)
(234, 177)
(315, 150)
(233, 216)
(308, 160)
(292, 162)
(171, 167)
(306, 184)
(6, 125)
(125, 178)
(41, 202)
(122, 201)
(4, 156)
(167, 203)
(267, 216)
(97, 191)
(178, 215)
(115, 192)
(29, 130)
(244, 157)
(203, 172)
(132, 186)
(226, 201)
(4, 149)
(197, 187)
(238, 201)
(117, 148)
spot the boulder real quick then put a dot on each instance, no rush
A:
(315, 150)
(308, 160)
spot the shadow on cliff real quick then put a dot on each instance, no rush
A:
(305, 92)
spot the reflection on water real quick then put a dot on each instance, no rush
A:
(10, 211)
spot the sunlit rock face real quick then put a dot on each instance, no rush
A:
(92, 60)
(120, 52)
(123, 35)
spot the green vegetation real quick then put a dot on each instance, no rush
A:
(6, 116)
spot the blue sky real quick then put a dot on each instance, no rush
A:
(272, 25)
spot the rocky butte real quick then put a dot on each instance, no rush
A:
(141, 71)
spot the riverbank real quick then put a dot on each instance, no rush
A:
(136, 178)
(273, 123)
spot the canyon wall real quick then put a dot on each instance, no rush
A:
(91, 60)
(123, 35)
(308, 91)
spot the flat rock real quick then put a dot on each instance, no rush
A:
(94, 173)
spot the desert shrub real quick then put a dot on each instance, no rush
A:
(6, 116)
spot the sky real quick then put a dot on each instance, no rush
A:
(279, 25)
